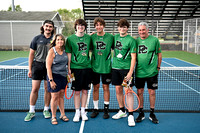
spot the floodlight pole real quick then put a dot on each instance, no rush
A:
(152, 24)
(13, 6)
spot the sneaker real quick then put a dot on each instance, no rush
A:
(94, 114)
(76, 117)
(131, 121)
(106, 114)
(153, 118)
(119, 115)
(84, 116)
(46, 114)
(140, 117)
(29, 116)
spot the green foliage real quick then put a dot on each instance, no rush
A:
(17, 8)
(71, 16)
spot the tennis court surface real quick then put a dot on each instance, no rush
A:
(177, 102)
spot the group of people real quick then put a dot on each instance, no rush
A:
(52, 60)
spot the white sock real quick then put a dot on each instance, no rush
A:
(82, 110)
(46, 108)
(32, 109)
(106, 102)
(96, 104)
(77, 111)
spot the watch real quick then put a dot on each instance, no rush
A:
(158, 67)
(50, 80)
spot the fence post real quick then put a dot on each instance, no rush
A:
(11, 31)
(183, 39)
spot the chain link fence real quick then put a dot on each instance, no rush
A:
(173, 35)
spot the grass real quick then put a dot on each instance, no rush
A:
(189, 57)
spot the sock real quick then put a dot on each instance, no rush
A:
(82, 110)
(32, 109)
(106, 105)
(96, 104)
(46, 108)
(122, 109)
(130, 113)
(77, 111)
(151, 110)
(141, 110)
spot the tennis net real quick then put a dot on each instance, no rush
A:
(178, 91)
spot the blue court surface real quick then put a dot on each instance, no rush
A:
(168, 98)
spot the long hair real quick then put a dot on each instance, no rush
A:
(53, 43)
(49, 22)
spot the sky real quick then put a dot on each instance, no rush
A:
(42, 5)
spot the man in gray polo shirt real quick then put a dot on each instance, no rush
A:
(37, 70)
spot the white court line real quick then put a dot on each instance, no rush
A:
(168, 63)
(182, 83)
(88, 100)
(9, 60)
(21, 63)
(186, 62)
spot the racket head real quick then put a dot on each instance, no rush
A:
(131, 100)
(68, 92)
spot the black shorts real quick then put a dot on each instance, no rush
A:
(105, 78)
(83, 79)
(60, 81)
(39, 71)
(152, 82)
(118, 76)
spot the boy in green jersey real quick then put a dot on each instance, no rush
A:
(77, 47)
(149, 59)
(124, 60)
(101, 65)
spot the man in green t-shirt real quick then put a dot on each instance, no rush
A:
(124, 60)
(101, 65)
(149, 59)
(77, 47)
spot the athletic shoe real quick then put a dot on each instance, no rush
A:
(46, 114)
(140, 117)
(131, 121)
(29, 116)
(119, 115)
(106, 114)
(94, 114)
(76, 117)
(153, 118)
(84, 116)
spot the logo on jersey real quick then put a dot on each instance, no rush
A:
(118, 45)
(101, 45)
(82, 46)
(142, 49)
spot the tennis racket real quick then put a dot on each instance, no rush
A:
(68, 92)
(131, 99)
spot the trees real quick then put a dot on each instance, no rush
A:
(17, 8)
(70, 17)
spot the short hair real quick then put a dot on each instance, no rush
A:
(145, 24)
(80, 21)
(53, 43)
(49, 22)
(100, 20)
(123, 22)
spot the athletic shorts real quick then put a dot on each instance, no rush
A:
(60, 81)
(105, 78)
(39, 71)
(152, 82)
(83, 79)
(118, 76)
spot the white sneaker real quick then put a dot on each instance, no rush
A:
(131, 121)
(119, 115)
(84, 116)
(76, 117)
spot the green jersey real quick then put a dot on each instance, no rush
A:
(79, 48)
(101, 53)
(147, 57)
(123, 47)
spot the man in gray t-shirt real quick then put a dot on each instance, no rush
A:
(37, 68)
